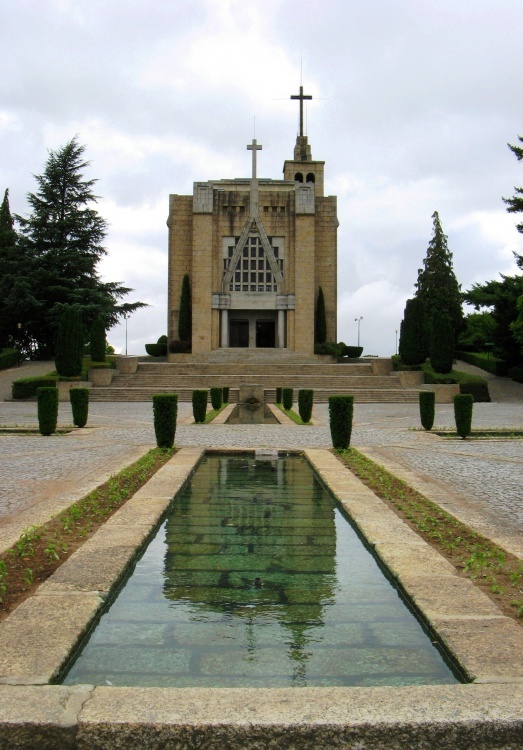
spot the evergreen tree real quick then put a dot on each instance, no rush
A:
(411, 346)
(70, 342)
(441, 343)
(97, 340)
(515, 204)
(62, 241)
(437, 286)
(321, 319)
(185, 318)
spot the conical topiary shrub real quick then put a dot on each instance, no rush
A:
(165, 412)
(341, 409)
(79, 398)
(47, 400)
(463, 403)
(427, 400)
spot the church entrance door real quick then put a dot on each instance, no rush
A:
(239, 333)
(265, 334)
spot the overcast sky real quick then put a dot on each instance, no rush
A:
(414, 103)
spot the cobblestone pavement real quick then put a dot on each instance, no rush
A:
(479, 481)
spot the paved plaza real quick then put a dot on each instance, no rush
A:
(478, 481)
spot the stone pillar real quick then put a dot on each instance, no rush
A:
(281, 329)
(225, 329)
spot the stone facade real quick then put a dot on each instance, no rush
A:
(256, 252)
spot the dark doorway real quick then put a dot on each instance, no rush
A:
(265, 334)
(239, 333)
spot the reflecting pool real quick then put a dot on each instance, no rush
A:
(251, 414)
(256, 579)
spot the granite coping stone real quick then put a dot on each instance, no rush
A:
(447, 596)
(402, 559)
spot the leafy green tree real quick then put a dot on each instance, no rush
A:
(412, 336)
(70, 342)
(437, 286)
(185, 319)
(321, 319)
(515, 204)
(478, 332)
(62, 243)
(441, 343)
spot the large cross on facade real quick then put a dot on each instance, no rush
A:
(254, 147)
(301, 96)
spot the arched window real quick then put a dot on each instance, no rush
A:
(298, 177)
(311, 177)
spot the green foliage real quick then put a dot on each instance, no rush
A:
(412, 348)
(477, 389)
(59, 248)
(353, 352)
(69, 342)
(27, 387)
(287, 398)
(225, 395)
(9, 358)
(9, 278)
(305, 403)
(321, 319)
(97, 340)
(179, 347)
(437, 286)
(463, 404)
(185, 318)
(199, 405)
(47, 410)
(502, 297)
(427, 401)
(156, 350)
(441, 343)
(165, 412)
(515, 204)
(478, 333)
(331, 349)
(473, 384)
(79, 398)
(279, 396)
(341, 409)
(516, 373)
(485, 362)
(216, 398)
(162, 339)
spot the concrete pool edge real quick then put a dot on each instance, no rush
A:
(38, 637)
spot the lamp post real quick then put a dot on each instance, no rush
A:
(126, 316)
(396, 341)
(358, 321)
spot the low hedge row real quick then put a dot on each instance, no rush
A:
(516, 373)
(9, 358)
(27, 387)
(486, 362)
(473, 384)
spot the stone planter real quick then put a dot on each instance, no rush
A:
(64, 386)
(381, 365)
(101, 376)
(127, 365)
(444, 392)
(410, 378)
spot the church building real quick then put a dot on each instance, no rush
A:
(256, 252)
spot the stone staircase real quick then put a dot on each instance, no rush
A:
(326, 379)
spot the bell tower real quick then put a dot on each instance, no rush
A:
(303, 168)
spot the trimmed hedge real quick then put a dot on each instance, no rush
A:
(9, 358)
(341, 410)
(427, 401)
(287, 398)
(489, 363)
(305, 402)
(352, 351)
(165, 412)
(216, 398)
(279, 395)
(473, 384)
(179, 347)
(478, 390)
(47, 410)
(516, 373)
(463, 404)
(79, 398)
(199, 405)
(27, 387)
(156, 350)
(225, 395)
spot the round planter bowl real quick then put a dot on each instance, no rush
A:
(100, 376)
(127, 365)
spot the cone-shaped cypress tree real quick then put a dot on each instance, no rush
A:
(69, 343)
(411, 345)
(185, 319)
(441, 344)
(321, 319)
(97, 342)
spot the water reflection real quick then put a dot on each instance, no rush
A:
(251, 414)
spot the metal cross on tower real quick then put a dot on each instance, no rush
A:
(301, 96)
(254, 147)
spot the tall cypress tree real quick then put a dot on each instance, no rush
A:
(411, 346)
(97, 340)
(321, 319)
(69, 342)
(13, 291)
(185, 319)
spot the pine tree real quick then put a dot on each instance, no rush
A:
(62, 239)
(321, 319)
(411, 346)
(515, 204)
(185, 319)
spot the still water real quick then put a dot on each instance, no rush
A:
(251, 414)
(256, 579)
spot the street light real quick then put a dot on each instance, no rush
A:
(358, 321)
(126, 316)
(396, 341)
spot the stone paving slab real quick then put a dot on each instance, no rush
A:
(402, 559)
